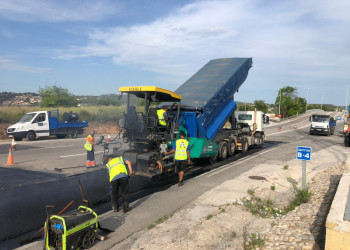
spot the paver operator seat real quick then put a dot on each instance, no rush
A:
(148, 127)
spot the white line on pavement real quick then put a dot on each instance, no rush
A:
(223, 168)
(219, 170)
(65, 156)
(285, 131)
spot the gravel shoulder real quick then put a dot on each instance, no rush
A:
(219, 220)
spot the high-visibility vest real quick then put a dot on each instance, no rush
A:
(116, 166)
(160, 113)
(88, 144)
(181, 149)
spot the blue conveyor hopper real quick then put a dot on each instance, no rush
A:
(211, 90)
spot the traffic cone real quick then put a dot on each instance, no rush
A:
(13, 144)
(10, 158)
(295, 126)
(109, 137)
(279, 129)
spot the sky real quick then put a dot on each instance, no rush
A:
(94, 47)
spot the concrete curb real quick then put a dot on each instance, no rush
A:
(338, 230)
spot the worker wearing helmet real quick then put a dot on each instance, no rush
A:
(118, 177)
(90, 149)
(182, 156)
(162, 116)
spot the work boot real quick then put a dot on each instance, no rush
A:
(180, 183)
(128, 209)
(115, 208)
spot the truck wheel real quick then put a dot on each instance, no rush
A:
(88, 239)
(244, 145)
(31, 136)
(222, 150)
(72, 133)
(231, 147)
(258, 140)
(347, 141)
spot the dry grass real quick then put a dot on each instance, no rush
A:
(101, 118)
(93, 113)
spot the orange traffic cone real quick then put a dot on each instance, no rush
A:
(295, 126)
(109, 137)
(279, 129)
(10, 158)
(13, 144)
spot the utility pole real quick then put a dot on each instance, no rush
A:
(346, 100)
(279, 106)
(322, 102)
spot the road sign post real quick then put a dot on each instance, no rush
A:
(304, 154)
(303, 182)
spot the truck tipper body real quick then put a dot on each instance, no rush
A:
(46, 123)
(322, 124)
(203, 108)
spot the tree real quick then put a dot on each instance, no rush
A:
(289, 102)
(56, 96)
(261, 105)
(245, 107)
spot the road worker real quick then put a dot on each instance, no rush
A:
(182, 156)
(163, 116)
(119, 177)
(90, 149)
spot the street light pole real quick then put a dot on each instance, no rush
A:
(346, 100)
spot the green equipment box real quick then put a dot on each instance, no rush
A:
(73, 230)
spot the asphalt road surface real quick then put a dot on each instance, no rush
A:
(33, 182)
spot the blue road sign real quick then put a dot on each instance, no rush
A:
(304, 153)
(347, 108)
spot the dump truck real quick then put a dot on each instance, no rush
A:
(203, 108)
(46, 123)
(322, 124)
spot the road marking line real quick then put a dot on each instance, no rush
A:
(65, 156)
(288, 130)
(50, 147)
(223, 168)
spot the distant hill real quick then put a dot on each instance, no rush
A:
(33, 99)
(19, 99)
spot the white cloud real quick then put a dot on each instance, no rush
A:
(56, 11)
(303, 40)
(10, 64)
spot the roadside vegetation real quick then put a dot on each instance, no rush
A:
(252, 241)
(267, 209)
(100, 114)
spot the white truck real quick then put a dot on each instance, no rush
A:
(46, 123)
(322, 124)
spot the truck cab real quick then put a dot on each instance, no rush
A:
(30, 125)
(322, 124)
(252, 117)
